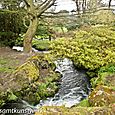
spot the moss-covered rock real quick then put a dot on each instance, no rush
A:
(32, 81)
(39, 70)
(102, 96)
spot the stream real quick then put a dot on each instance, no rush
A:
(74, 87)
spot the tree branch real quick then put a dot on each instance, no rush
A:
(26, 2)
(45, 5)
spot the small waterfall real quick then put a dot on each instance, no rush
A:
(74, 86)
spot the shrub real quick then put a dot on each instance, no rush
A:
(10, 27)
(41, 45)
(89, 49)
(106, 76)
(19, 40)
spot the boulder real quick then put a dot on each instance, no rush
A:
(102, 96)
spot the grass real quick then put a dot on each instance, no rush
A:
(6, 65)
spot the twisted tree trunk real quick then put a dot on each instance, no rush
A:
(34, 10)
(29, 35)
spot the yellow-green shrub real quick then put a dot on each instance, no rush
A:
(89, 49)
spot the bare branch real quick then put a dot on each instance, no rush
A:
(47, 4)
(43, 3)
(26, 2)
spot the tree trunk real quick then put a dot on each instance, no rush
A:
(29, 35)
(77, 6)
(110, 3)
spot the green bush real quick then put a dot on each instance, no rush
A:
(108, 69)
(19, 40)
(41, 45)
(89, 49)
(106, 76)
(10, 27)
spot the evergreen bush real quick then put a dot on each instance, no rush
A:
(90, 49)
(10, 27)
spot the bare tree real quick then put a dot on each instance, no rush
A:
(110, 3)
(81, 5)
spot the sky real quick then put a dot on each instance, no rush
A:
(69, 5)
(65, 5)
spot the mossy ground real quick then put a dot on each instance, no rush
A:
(32, 81)
(9, 61)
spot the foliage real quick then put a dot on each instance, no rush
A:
(42, 29)
(90, 49)
(61, 110)
(108, 69)
(19, 40)
(37, 43)
(106, 76)
(41, 45)
(10, 4)
(72, 26)
(104, 17)
(11, 96)
(47, 89)
(10, 28)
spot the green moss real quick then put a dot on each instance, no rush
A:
(106, 76)
(2, 102)
(84, 103)
(28, 69)
(11, 96)
(47, 89)
(32, 81)
(36, 79)
(6, 97)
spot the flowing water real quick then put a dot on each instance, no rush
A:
(74, 86)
